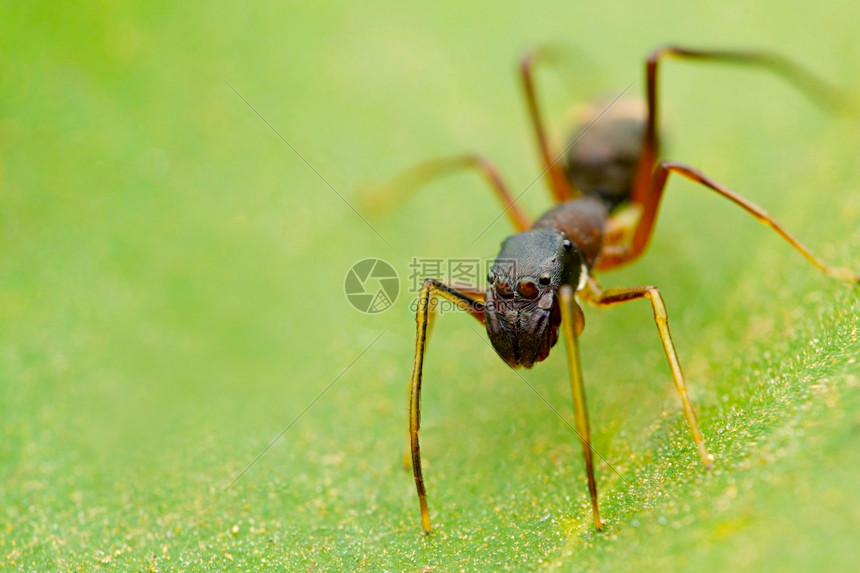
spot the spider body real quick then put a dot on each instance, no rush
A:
(606, 185)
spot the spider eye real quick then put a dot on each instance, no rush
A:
(491, 277)
(503, 287)
(527, 288)
(567, 245)
(544, 280)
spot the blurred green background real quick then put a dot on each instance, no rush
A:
(171, 294)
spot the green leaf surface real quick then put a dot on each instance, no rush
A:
(184, 385)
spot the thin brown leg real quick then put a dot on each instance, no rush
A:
(431, 288)
(570, 323)
(381, 197)
(560, 187)
(817, 90)
(645, 227)
(595, 295)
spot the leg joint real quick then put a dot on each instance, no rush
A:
(653, 294)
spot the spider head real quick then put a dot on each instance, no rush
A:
(522, 312)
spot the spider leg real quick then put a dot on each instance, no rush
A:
(808, 83)
(431, 289)
(600, 298)
(559, 185)
(641, 233)
(382, 197)
(571, 323)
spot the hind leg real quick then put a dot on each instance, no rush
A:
(615, 255)
(816, 89)
(559, 185)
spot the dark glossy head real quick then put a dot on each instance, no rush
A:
(522, 311)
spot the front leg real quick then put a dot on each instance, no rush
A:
(572, 323)
(430, 289)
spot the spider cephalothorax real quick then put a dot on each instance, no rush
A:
(521, 307)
